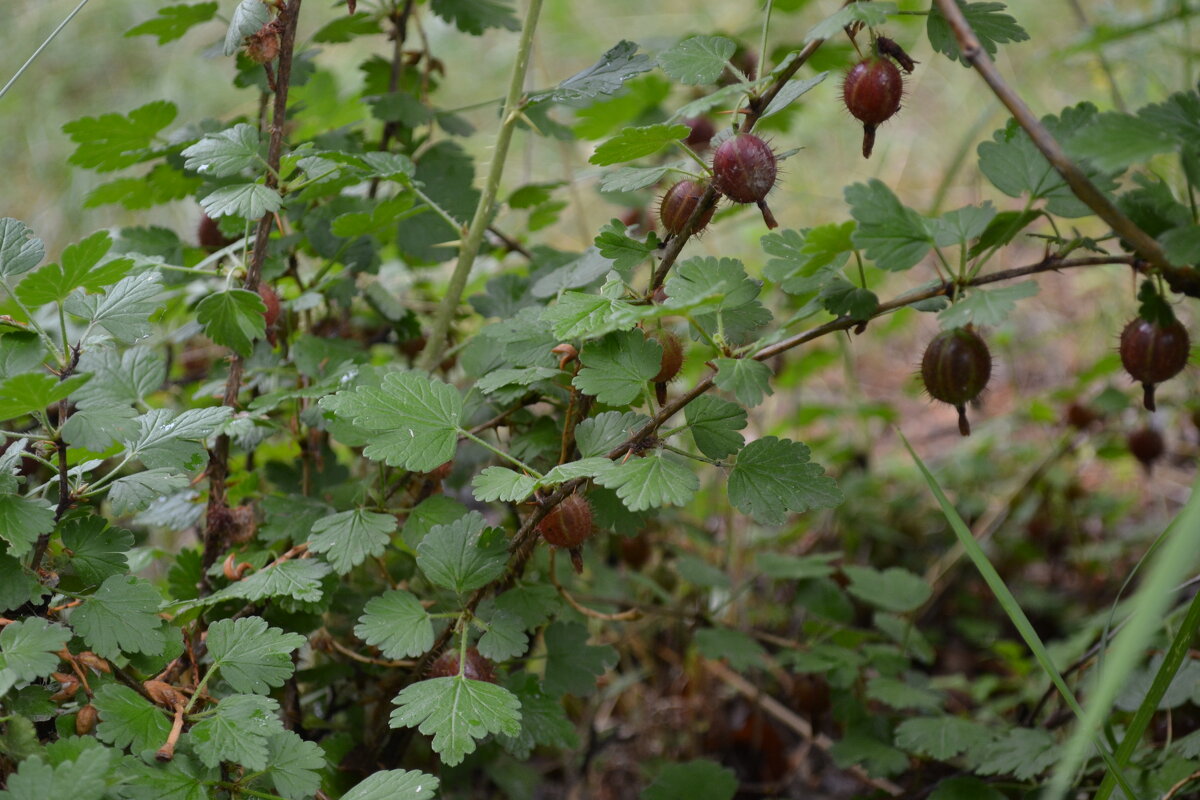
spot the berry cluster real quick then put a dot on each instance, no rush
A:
(744, 167)
(956, 365)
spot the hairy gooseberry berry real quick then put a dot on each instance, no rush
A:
(568, 525)
(955, 369)
(745, 171)
(1152, 353)
(872, 91)
(640, 217)
(635, 550)
(209, 235)
(1147, 446)
(271, 301)
(701, 131)
(1081, 416)
(672, 357)
(672, 360)
(439, 474)
(678, 204)
(477, 667)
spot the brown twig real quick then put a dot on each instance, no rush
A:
(1177, 787)
(167, 751)
(218, 521)
(65, 606)
(399, 18)
(1081, 186)
(526, 537)
(510, 244)
(378, 662)
(621, 616)
(60, 447)
(793, 720)
(1050, 263)
(494, 422)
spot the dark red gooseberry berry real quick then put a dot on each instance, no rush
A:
(1153, 353)
(1039, 528)
(271, 301)
(745, 171)
(672, 357)
(672, 360)
(196, 361)
(1081, 416)
(1147, 446)
(701, 132)
(569, 524)
(812, 695)
(872, 92)
(439, 474)
(955, 369)
(477, 668)
(639, 217)
(209, 236)
(678, 204)
(635, 550)
(413, 347)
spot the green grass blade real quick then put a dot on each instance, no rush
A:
(1178, 651)
(1175, 558)
(1015, 613)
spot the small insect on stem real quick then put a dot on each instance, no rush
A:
(888, 47)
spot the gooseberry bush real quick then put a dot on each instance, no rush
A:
(364, 488)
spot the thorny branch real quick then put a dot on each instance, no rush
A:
(399, 18)
(1181, 279)
(64, 484)
(751, 115)
(218, 519)
(521, 546)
